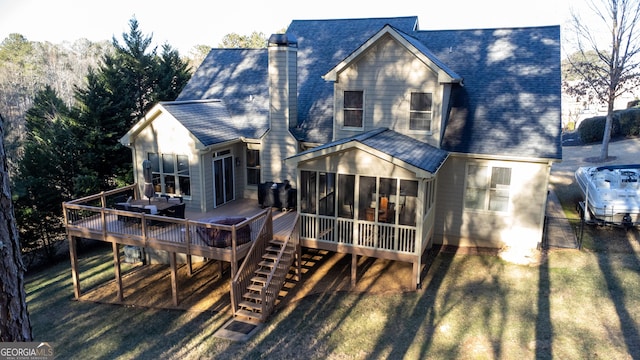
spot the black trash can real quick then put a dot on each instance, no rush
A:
(265, 194)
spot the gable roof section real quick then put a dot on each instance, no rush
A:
(445, 74)
(240, 79)
(321, 45)
(211, 122)
(208, 121)
(422, 158)
(510, 102)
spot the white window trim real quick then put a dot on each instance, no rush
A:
(176, 174)
(420, 131)
(342, 109)
(490, 166)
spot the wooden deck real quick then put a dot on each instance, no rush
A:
(92, 218)
(282, 221)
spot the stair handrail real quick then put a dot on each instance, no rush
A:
(250, 262)
(272, 286)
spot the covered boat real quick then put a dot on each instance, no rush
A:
(611, 193)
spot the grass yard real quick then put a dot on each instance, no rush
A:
(574, 305)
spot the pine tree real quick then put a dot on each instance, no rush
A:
(45, 174)
(14, 317)
(119, 93)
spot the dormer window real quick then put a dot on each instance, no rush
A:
(420, 112)
(353, 108)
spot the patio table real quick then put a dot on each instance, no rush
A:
(161, 205)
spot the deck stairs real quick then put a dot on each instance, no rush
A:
(271, 273)
(260, 283)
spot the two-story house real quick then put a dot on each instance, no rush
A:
(395, 138)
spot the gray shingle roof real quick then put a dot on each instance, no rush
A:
(210, 121)
(321, 45)
(402, 147)
(240, 78)
(509, 103)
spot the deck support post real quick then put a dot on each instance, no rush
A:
(354, 269)
(189, 266)
(116, 267)
(415, 284)
(299, 262)
(174, 278)
(75, 276)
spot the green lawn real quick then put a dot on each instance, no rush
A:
(575, 305)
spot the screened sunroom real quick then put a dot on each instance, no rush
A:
(372, 194)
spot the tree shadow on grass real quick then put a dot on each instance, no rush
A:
(544, 326)
(611, 267)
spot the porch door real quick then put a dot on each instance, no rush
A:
(223, 184)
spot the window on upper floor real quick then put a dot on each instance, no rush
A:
(487, 187)
(420, 112)
(353, 108)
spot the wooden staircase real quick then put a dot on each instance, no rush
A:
(256, 288)
(270, 275)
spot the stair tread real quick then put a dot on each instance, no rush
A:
(250, 305)
(267, 263)
(248, 314)
(263, 271)
(259, 279)
(275, 256)
(252, 296)
(254, 287)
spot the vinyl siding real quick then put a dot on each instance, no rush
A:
(357, 162)
(279, 144)
(388, 73)
(165, 135)
(520, 226)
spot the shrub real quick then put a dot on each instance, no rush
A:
(629, 120)
(592, 129)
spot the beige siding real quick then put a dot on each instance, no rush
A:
(520, 226)
(238, 151)
(165, 135)
(279, 144)
(357, 162)
(388, 73)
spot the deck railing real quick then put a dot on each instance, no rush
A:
(246, 271)
(277, 276)
(91, 218)
(381, 236)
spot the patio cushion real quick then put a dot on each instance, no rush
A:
(222, 238)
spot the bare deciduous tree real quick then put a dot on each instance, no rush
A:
(613, 37)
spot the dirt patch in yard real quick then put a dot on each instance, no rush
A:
(208, 288)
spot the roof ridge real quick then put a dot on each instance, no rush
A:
(192, 101)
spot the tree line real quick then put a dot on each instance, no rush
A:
(76, 105)
(64, 108)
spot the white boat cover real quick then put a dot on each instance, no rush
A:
(612, 193)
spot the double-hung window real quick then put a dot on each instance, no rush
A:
(420, 111)
(253, 167)
(170, 174)
(353, 108)
(487, 188)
